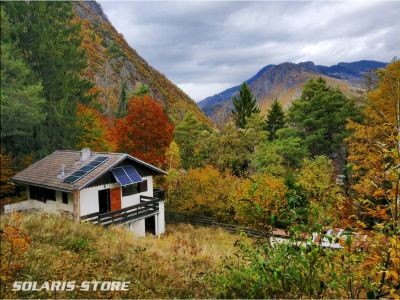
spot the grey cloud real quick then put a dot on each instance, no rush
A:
(207, 46)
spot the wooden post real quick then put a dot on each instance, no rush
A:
(77, 206)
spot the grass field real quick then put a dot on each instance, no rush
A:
(37, 247)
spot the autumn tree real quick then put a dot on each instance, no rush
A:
(6, 172)
(93, 132)
(172, 155)
(245, 106)
(374, 149)
(145, 132)
(275, 119)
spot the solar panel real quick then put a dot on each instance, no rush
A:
(101, 158)
(121, 176)
(132, 174)
(86, 169)
(79, 173)
(71, 179)
(126, 175)
(94, 163)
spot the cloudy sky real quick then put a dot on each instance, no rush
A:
(206, 47)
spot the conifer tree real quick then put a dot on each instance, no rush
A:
(320, 118)
(22, 104)
(245, 106)
(188, 136)
(122, 100)
(275, 119)
(49, 38)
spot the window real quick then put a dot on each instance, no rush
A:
(143, 186)
(130, 189)
(134, 188)
(64, 197)
(41, 194)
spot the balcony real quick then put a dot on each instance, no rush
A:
(148, 206)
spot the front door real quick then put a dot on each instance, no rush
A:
(116, 198)
(104, 201)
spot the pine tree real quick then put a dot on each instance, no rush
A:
(22, 104)
(122, 100)
(320, 118)
(49, 38)
(188, 136)
(275, 119)
(245, 106)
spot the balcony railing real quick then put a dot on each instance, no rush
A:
(159, 193)
(147, 207)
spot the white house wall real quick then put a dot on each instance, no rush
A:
(138, 228)
(160, 219)
(50, 206)
(89, 197)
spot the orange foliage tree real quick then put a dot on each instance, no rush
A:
(14, 244)
(145, 132)
(94, 132)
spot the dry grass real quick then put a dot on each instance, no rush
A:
(176, 265)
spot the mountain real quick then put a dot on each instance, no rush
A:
(111, 60)
(285, 82)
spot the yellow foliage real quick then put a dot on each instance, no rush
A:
(374, 146)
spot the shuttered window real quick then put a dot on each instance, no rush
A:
(41, 194)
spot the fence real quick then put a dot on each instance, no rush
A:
(173, 217)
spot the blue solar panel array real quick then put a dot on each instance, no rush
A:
(86, 169)
(126, 175)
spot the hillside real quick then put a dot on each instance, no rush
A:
(111, 61)
(175, 265)
(285, 82)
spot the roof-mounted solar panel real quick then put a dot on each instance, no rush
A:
(126, 175)
(101, 158)
(87, 168)
(83, 171)
(71, 179)
(94, 163)
(79, 173)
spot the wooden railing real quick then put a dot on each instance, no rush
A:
(147, 207)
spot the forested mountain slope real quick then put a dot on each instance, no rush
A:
(112, 63)
(285, 82)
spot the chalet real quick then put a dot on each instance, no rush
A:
(104, 188)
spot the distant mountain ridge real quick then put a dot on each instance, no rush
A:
(285, 81)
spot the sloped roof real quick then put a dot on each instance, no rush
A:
(45, 171)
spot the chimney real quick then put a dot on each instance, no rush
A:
(62, 174)
(85, 154)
